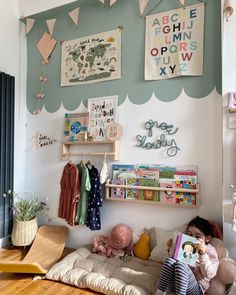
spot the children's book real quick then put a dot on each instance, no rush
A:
(147, 194)
(118, 192)
(184, 248)
(132, 193)
(167, 196)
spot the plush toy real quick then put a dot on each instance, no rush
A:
(119, 239)
(226, 272)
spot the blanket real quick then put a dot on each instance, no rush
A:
(105, 275)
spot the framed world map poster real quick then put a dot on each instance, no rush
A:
(91, 59)
(102, 113)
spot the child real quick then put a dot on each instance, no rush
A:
(186, 280)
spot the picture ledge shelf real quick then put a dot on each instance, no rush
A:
(112, 146)
(109, 185)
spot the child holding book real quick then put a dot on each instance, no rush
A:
(184, 279)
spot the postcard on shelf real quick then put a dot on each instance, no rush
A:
(148, 194)
(118, 192)
(76, 127)
(132, 193)
(184, 248)
(168, 196)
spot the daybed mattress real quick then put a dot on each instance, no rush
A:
(110, 276)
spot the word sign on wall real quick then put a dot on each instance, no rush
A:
(162, 141)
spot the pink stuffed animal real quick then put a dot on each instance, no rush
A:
(115, 244)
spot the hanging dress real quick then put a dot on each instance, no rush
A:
(95, 200)
(85, 186)
(70, 193)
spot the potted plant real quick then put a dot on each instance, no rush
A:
(25, 219)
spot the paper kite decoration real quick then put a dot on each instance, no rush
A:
(46, 45)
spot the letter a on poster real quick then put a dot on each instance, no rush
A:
(174, 43)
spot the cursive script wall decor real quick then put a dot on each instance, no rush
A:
(162, 141)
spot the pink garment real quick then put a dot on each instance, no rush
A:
(206, 267)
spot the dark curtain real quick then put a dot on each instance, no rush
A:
(7, 98)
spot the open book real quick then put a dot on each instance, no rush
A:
(184, 248)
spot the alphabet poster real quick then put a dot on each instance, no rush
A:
(91, 59)
(102, 113)
(174, 43)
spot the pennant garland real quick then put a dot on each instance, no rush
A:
(50, 24)
(142, 5)
(112, 2)
(74, 15)
(182, 2)
(29, 25)
(228, 9)
(101, 1)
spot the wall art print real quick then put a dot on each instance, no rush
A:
(102, 113)
(91, 59)
(174, 43)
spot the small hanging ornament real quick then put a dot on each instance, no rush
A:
(228, 9)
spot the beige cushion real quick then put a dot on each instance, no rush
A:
(159, 252)
(107, 275)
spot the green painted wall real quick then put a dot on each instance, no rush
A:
(96, 18)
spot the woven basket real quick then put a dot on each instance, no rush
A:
(24, 232)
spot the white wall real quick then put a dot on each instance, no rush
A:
(13, 62)
(229, 126)
(28, 7)
(199, 138)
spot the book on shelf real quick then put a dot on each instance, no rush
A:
(184, 248)
(148, 194)
(123, 171)
(132, 193)
(147, 173)
(118, 192)
(185, 198)
(167, 196)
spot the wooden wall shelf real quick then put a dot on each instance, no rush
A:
(109, 185)
(112, 149)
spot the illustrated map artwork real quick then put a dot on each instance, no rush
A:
(174, 43)
(91, 59)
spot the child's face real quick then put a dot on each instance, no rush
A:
(197, 233)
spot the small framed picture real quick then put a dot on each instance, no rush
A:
(102, 113)
(76, 127)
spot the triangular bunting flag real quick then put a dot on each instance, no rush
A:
(112, 2)
(29, 24)
(74, 15)
(102, 1)
(182, 2)
(142, 5)
(50, 24)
